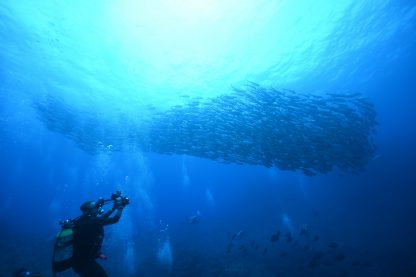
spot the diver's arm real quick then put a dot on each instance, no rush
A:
(114, 219)
(108, 213)
(116, 206)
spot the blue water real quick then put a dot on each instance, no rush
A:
(81, 81)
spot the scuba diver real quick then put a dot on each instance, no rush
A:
(79, 242)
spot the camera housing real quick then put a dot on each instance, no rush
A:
(116, 196)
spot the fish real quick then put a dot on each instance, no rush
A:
(255, 125)
(238, 235)
(304, 231)
(339, 257)
(275, 237)
(243, 249)
(195, 219)
(289, 237)
(229, 247)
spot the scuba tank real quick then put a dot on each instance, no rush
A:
(63, 248)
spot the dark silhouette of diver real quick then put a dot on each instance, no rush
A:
(89, 234)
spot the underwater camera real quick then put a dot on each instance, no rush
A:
(116, 196)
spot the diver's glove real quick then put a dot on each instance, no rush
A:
(119, 201)
(118, 204)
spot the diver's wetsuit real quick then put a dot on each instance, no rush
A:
(88, 239)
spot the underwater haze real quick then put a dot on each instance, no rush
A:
(253, 138)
